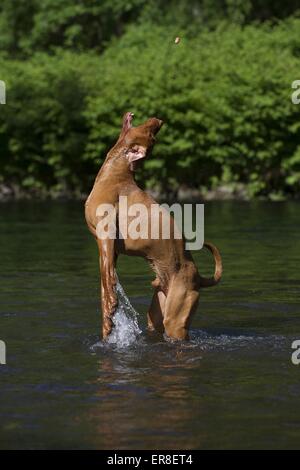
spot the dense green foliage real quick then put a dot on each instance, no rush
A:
(73, 68)
(27, 26)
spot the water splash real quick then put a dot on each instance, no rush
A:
(126, 329)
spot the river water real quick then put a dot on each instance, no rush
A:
(232, 386)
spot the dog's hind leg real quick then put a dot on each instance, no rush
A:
(181, 304)
(156, 311)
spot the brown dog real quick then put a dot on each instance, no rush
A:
(177, 280)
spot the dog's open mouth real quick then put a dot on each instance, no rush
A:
(137, 152)
(135, 155)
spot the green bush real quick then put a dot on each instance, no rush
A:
(43, 131)
(225, 96)
(28, 26)
(226, 99)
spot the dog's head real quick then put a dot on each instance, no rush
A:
(137, 142)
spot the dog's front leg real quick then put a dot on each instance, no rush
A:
(109, 299)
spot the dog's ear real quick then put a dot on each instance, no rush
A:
(127, 120)
(136, 153)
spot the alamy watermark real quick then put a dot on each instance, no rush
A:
(151, 222)
(295, 358)
(2, 353)
(2, 92)
(295, 97)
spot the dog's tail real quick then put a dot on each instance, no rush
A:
(212, 281)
